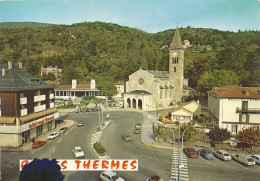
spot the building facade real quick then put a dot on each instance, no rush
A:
(75, 90)
(57, 72)
(234, 107)
(186, 112)
(27, 107)
(120, 88)
(152, 89)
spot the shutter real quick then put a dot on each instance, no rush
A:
(240, 118)
(247, 118)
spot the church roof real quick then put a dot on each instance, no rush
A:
(176, 42)
(140, 92)
(158, 74)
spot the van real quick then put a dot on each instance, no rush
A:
(243, 159)
(222, 154)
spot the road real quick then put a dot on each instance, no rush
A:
(151, 160)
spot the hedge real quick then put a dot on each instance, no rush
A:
(99, 148)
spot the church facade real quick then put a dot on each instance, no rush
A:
(152, 89)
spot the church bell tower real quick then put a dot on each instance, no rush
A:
(176, 66)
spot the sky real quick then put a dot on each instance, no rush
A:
(148, 15)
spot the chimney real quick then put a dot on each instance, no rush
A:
(3, 72)
(10, 65)
(74, 84)
(20, 65)
(93, 84)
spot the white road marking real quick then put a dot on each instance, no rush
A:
(60, 140)
(222, 162)
(206, 161)
(53, 150)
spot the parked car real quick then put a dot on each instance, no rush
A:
(222, 154)
(190, 152)
(243, 159)
(137, 131)
(110, 176)
(53, 135)
(80, 123)
(76, 111)
(78, 152)
(126, 137)
(206, 153)
(138, 125)
(63, 130)
(154, 178)
(38, 144)
(256, 158)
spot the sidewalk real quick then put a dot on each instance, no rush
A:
(28, 146)
(147, 136)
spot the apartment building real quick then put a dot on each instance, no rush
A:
(234, 107)
(26, 106)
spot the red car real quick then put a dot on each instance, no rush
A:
(190, 152)
(38, 144)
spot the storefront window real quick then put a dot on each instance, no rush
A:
(39, 130)
(49, 125)
(26, 136)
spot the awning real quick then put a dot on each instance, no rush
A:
(7, 120)
(37, 115)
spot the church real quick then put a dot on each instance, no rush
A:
(153, 89)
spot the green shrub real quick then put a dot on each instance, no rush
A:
(99, 148)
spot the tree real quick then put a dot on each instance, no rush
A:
(216, 79)
(189, 133)
(217, 135)
(249, 137)
(70, 103)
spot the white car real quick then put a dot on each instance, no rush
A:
(243, 159)
(110, 176)
(53, 135)
(256, 158)
(222, 154)
(78, 152)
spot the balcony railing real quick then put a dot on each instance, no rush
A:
(23, 112)
(40, 108)
(23, 100)
(52, 104)
(248, 110)
(39, 98)
(51, 96)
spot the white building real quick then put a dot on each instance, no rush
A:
(120, 88)
(234, 107)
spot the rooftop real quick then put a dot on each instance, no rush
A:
(16, 79)
(234, 91)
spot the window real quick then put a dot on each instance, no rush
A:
(160, 94)
(234, 128)
(175, 60)
(26, 136)
(49, 125)
(21, 95)
(244, 105)
(174, 69)
(39, 130)
(244, 118)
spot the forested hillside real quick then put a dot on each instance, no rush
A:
(110, 52)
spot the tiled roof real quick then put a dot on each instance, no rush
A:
(17, 79)
(182, 106)
(233, 91)
(119, 83)
(158, 74)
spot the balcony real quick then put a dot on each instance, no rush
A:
(23, 100)
(39, 98)
(248, 110)
(40, 108)
(51, 96)
(52, 104)
(23, 112)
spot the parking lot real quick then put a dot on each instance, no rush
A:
(216, 169)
